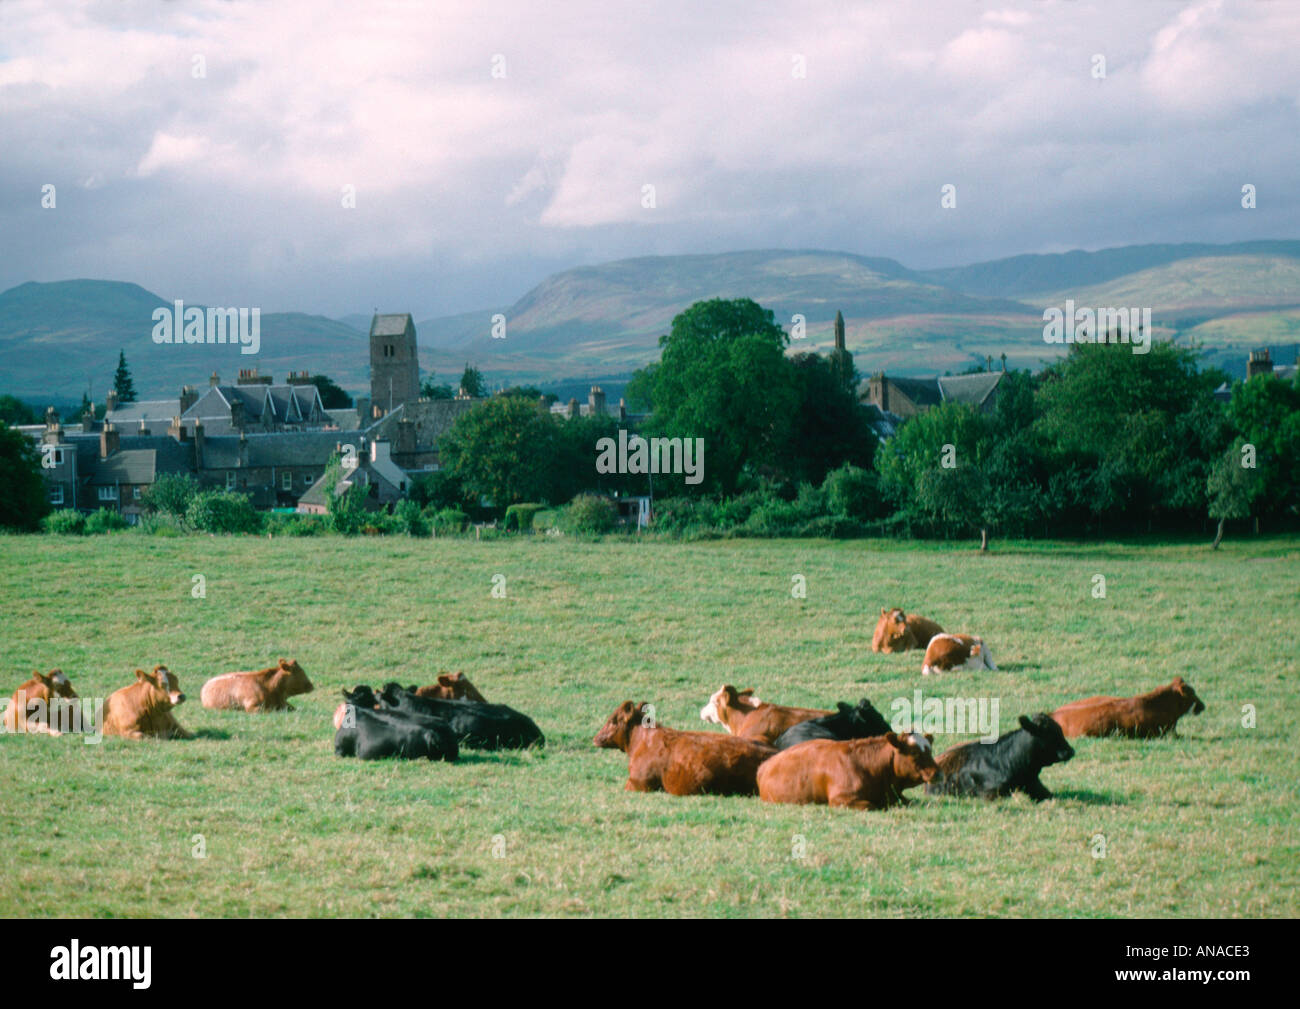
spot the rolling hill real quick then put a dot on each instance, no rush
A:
(603, 321)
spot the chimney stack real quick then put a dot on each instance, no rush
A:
(189, 396)
(110, 401)
(1259, 364)
(176, 430)
(215, 380)
(109, 441)
(198, 445)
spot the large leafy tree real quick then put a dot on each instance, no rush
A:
(724, 377)
(504, 450)
(14, 411)
(1266, 412)
(332, 397)
(122, 382)
(22, 489)
(1143, 426)
(829, 427)
(1231, 486)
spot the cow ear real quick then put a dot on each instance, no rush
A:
(444, 680)
(39, 677)
(140, 674)
(282, 663)
(1027, 724)
(892, 739)
(883, 611)
(929, 738)
(1180, 683)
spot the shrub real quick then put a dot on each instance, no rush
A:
(409, 518)
(222, 512)
(588, 513)
(170, 494)
(161, 525)
(449, 520)
(66, 521)
(105, 520)
(853, 492)
(294, 525)
(521, 516)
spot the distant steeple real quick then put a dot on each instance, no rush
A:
(839, 330)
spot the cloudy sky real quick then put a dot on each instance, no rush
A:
(203, 149)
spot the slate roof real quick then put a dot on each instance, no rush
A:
(973, 389)
(154, 409)
(130, 466)
(289, 404)
(277, 448)
(921, 391)
(390, 325)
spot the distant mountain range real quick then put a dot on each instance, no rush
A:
(601, 322)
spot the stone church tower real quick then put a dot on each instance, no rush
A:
(394, 362)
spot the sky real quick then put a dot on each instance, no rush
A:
(205, 150)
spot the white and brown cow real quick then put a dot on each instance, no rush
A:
(744, 715)
(956, 651)
(897, 631)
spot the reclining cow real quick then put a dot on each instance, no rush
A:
(897, 631)
(947, 652)
(144, 709)
(477, 725)
(375, 735)
(681, 763)
(39, 705)
(847, 723)
(1151, 714)
(266, 690)
(858, 773)
(451, 687)
(749, 718)
(1012, 764)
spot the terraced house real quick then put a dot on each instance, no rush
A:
(271, 442)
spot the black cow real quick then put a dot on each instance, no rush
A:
(477, 725)
(373, 735)
(1013, 763)
(847, 723)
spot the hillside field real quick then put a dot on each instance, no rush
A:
(1201, 825)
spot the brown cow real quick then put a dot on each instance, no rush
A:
(1141, 717)
(897, 631)
(681, 763)
(866, 773)
(144, 709)
(451, 687)
(750, 718)
(946, 652)
(34, 704)
(266, 690)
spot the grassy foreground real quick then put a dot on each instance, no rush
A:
(1200, 825)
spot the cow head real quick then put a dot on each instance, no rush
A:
(55, 683)
(616, 733)
(892, 633)
(1047, 740)
(391, 694)
(297, 682)
(913, 758)
(164, 689)
(361, 696)
(452, 687)
(1184, 690)
(865, 719)
(727, 696)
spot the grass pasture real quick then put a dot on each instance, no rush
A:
(1202, 825)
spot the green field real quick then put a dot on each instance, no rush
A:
(1200, 825)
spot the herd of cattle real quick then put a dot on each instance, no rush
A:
(847, 757)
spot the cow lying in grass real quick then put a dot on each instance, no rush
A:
(681, 763)
(144, 709)
(266, 690)
(749, 718)
(946, 652)
(857, 773)
(374, 735)
(847, 723)
(477, 725)
(450, 687)
(897, 631)
(35, 705)
(1012, 764)
(1151, 714)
